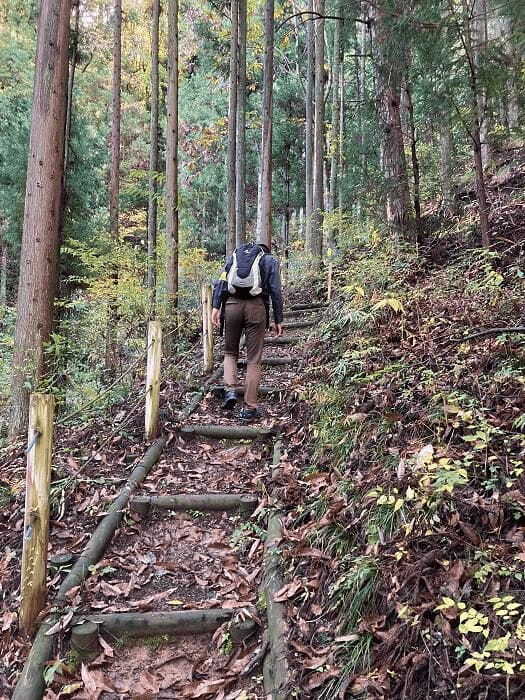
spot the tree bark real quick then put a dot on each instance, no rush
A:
(415, 164)
(3, 274)
(309, 126)
(264, 210)
(240, 170)
(479, 47)
(232, 129)
(393, 160)
(172, 159)
(319, 136)
(114, 176)
(153, 156)
(43, 200)
(335, 134)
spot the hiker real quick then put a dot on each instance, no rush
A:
(241, 302)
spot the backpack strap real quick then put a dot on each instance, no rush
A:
(232, 274)
(257, 289)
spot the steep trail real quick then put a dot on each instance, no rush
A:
(203, 555)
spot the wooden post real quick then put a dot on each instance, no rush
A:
(330, 281)
(153, 379)
(36, 516)
(207, 329)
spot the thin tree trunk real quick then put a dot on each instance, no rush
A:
(232, 128)
(318, 179)
(153, 156)
(309, 126)
(240, 174)
(3, 274)
(363, 96)
(415, 164)
(336, 127)
(172, 159)
(476, 125)
(479, 47)
(341, 138)
(114, 177)
(264, 210)
(40, 237)
(71, 84)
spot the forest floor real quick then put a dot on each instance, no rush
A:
(402, 475)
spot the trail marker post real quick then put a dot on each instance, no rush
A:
(153, 379)
(207, 330)
(36, 515)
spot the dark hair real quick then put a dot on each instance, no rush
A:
(263, 245)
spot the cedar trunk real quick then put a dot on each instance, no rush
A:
(153, 156)
(309, 126)
(393, 161)
(335, 134)
(172, 165)
(43, 200)
(232, 128)
(264, 210)
(240, 169)
(319, 135)
(114, 175)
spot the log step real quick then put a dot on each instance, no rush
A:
(134, 624)
(229, 432)
(290, 325)
(310, 306)
(272, 361)
(207, 503)
(217, 389)
(282, 341)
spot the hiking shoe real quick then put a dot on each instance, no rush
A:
(249, 414)
(230, 399)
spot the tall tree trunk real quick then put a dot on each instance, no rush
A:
(114, 177)
(264, 210)
(3, 273)
(240, 171)
(172, 159)
(319, 136)
(336, 126)
(71, 84)
(40, 237)
(475, 132)
(232, 128)
(153, 156)
(388, 94)
(415, 163)
(309, 125)
(479, 46)
(363, 96)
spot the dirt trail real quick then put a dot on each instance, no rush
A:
(166, 561)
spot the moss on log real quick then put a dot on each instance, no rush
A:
(134, 624)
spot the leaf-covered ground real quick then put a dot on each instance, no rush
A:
(406, 544)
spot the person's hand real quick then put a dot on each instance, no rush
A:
(278, 330)
(216, 318)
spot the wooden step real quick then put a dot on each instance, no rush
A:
(283, 340)
(204, 502)
(290, 325)
(272, 361)
(217, 389)
(228, 432)
(310, 306)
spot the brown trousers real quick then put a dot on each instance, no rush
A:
(248, 315)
